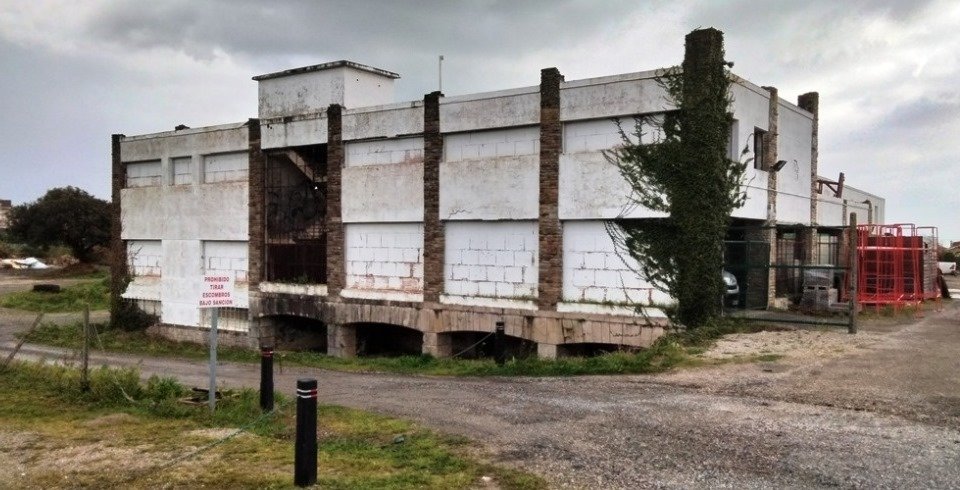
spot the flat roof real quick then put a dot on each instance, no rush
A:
(327, 66)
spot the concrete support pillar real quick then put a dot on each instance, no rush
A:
(810, 102)
(256, 224)
(341, 340)
(437, 344)
(334, 222)
(771, 153)
(547, 351)
(118, 250)
(551, 235)
(433, 229)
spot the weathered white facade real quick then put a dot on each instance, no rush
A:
(435, 210)
(183, 214)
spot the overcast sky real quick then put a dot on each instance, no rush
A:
(888, 72)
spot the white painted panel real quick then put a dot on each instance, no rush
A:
(139, 216)
(751, 109)
(793, 181)
(491, 259)
(228, 258)
(180, 288)
(382, 152)
(505, 188)
(592, 188)
(225, 167)
(383, 121)
(519, 107)
(486, 145)
(144, 174)
(611, 98)
(594, 270)
(384, 256)
(297, 132)
(377, 193)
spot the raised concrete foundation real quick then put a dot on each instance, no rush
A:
(548, 329)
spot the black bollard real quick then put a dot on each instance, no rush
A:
(305, 451)
(499, 347)
(266, 379)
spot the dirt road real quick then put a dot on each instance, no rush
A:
(876, 410)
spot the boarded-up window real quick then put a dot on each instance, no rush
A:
(223, 257)
(182, 170)
(225, 167)
(143, 257)
(143, 174)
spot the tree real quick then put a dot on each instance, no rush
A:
(685, 172)
(65, 215)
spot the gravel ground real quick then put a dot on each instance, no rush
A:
(879, 409)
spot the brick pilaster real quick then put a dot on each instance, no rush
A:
(810, 102)
(551, 235)
(334, 218)
(118, 251)
(256, 230)
(433, 229)
(771, 152)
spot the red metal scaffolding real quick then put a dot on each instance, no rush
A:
(897, 265)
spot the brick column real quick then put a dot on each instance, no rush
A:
(433, 229)
(771, 152)
(334, 221)
(118, 251)
(257, 167)
(551, 235)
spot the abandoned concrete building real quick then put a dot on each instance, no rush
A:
(351, 221)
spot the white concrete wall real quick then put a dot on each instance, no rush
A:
(382, 256)
(595, 271)
(751, 110)
(590, 186)
(793, 180)
(300, 93)
(362, 88)
(617, 95)
(182, 217)
(830, 210)
(383, 152)
(490, 110)
(491, 175)
(385, 121)
(391, 192)
(309, 129)
(491, 259)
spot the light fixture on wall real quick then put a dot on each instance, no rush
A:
(779, 165)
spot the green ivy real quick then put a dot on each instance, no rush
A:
(677, 163)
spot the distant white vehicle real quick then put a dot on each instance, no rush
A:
(948, 268)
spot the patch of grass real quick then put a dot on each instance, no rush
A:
(355, 449)
(670, 351)
(96, 294)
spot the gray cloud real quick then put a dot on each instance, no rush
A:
(887, 71)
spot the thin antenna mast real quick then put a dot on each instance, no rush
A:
(440, 73)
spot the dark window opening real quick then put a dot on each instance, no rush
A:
(295, 188)
(759, 145)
